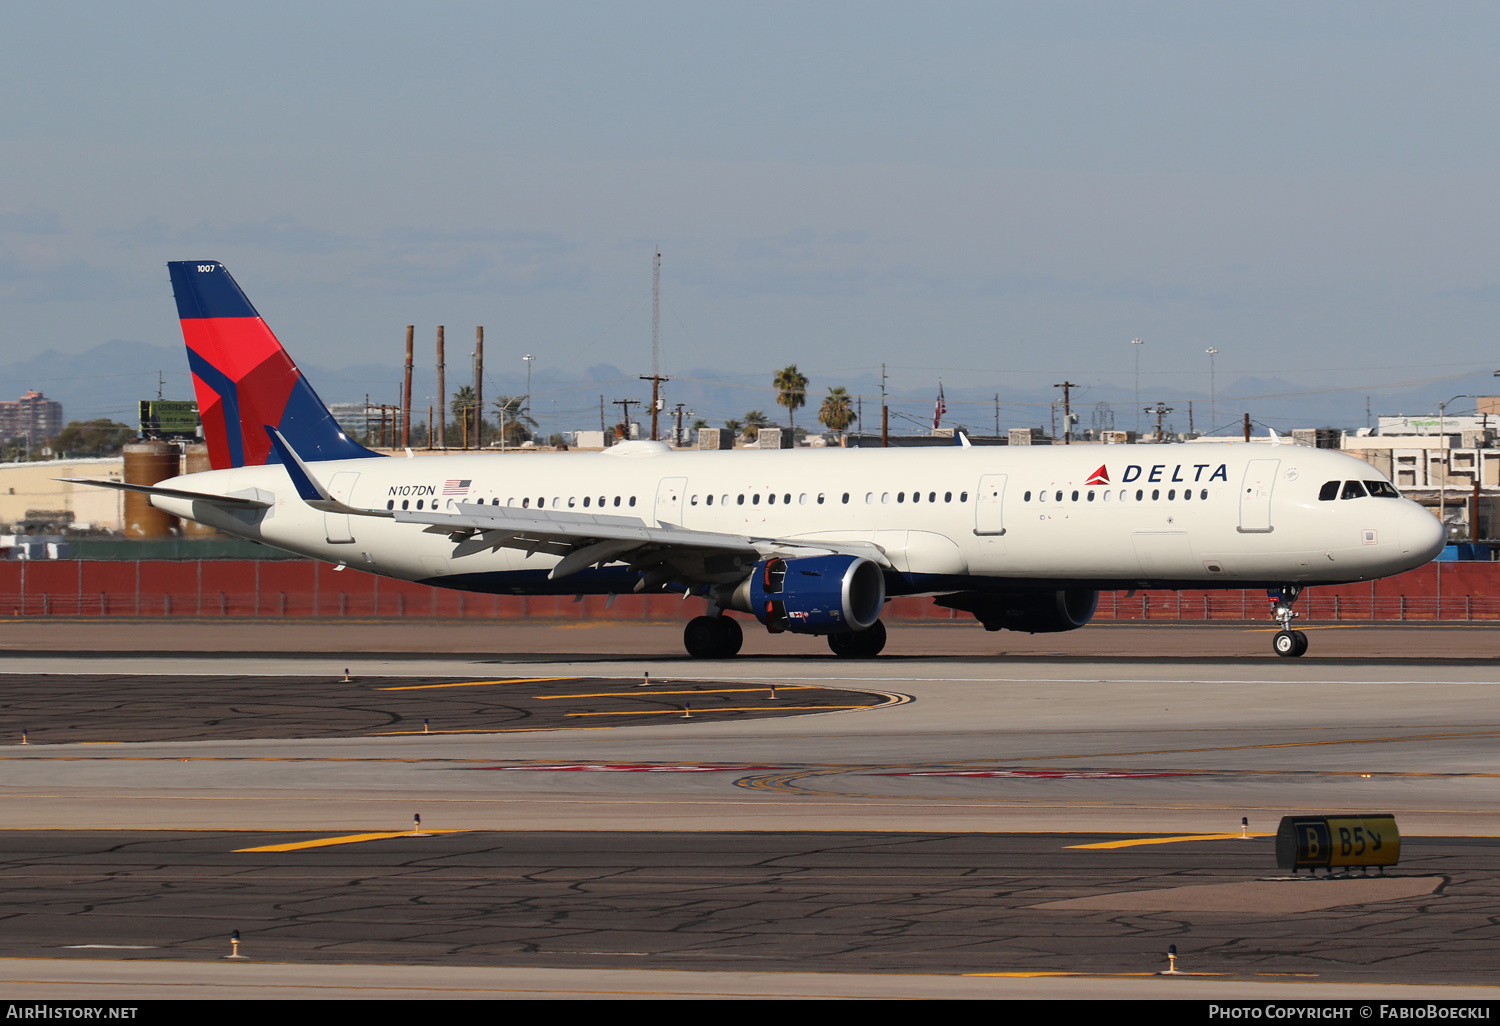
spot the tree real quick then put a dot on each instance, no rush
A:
(101, 437)
(837, 411)
(465, 412)
(754, 421)
(516, 424)
(791, 391)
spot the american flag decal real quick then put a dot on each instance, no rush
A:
(453, 486)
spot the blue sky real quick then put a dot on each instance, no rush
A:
(999, 194)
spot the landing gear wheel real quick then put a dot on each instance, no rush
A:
(703, 637)
(734, 636)
(845, 646)
(712, 637)
(865, 644)
(1289, 644)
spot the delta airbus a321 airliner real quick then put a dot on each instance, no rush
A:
(806, 541)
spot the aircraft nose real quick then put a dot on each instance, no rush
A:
(1421, 534)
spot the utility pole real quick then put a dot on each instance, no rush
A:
(406, 391)
(1161, 410)
(885, 413)
(1067, 387)
(679, 422)
(479, 387)
(625, 405)
(442, 396)
(1247, 427)
(656, 381)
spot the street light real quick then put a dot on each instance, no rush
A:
(1213, 403)
(528, 358)
(1136, 345)
(1443, 488)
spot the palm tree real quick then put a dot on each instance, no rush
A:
(516, 423)
(465, 412)
(837, 411)
(791, 391)
(754, 421)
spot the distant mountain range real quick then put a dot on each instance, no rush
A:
(109, 379)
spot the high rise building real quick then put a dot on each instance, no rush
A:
(33, 417)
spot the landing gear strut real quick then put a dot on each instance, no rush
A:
(713, 637)
(1288, 643)
(865, 644)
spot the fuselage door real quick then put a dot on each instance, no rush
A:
(336, 525)
(1255, 496)
(989, 508)
(669, 500)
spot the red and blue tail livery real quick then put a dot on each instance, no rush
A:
(244, 379)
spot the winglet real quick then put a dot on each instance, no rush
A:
(308, 487)
(963, 440)
(302, 479)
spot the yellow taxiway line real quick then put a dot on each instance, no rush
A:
(475, 683)
(1137, 841)
(326, 842)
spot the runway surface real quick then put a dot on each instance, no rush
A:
(926, 832)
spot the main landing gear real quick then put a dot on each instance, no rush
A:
(713, 637)
(865, 644)
(1288, 643)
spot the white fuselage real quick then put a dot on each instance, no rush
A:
(1196, 515)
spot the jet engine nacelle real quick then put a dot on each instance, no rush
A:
(816, 595)
(1035, 612)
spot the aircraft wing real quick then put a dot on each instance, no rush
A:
(662, 554)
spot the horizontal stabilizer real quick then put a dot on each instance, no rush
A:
(236, 501)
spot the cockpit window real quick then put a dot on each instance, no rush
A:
(1353, 490)
(1329, 491)
(1382, 489)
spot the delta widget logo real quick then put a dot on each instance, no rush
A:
(1099, 477)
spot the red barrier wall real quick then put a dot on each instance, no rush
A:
(1446, 591)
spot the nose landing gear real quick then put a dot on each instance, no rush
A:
(1287, 643)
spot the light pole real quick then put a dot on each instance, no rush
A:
(1443, 488)
(1136, 344)
(1213, 404)
(528, 358)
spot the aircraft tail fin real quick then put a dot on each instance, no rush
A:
(244, 379)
